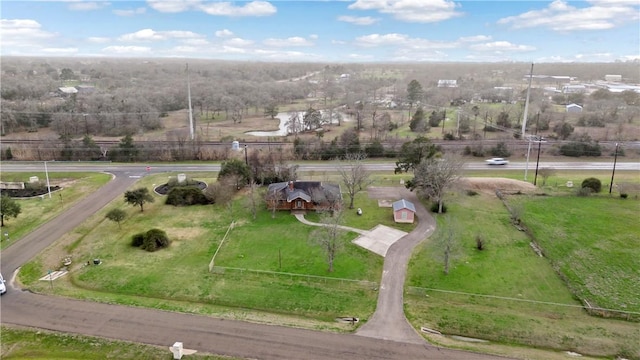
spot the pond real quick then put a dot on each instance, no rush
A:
(284, 119)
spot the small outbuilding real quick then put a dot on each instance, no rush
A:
(403, 211)
(574, 108)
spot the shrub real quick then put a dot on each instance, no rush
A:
(137, 240)
(624, 195)
(155, 239)
(472, 193)
(500, 150)
(435, 207)
(186, 195)
(479, 243)
(584, 192)
(592, 183)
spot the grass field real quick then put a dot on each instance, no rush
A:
(266, 244)
(36, 211)
(24, 343)
(506, 293)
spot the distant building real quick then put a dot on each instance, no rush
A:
(574, 89)
(67, 90)
(85, 89)
(613, 78)
(574, 108)
(447, 83)
(549, 79)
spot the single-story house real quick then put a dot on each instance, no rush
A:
(403, 211)
(447, 83)
(574, 108)
(67, 90)
(303, 195)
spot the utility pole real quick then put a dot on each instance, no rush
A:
(191, 135)
(615, 159)
(524, 122)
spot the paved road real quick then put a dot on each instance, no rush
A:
(206, 334)
(326, 166)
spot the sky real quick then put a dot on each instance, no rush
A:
(332, 31)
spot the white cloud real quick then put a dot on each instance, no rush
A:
(254, 8)
(313, 37)
(224, 33)
(60, 51)
(377, 39)
(411, 10)
(22, 32)
(560, 16)
(151, 35)
(126, 50)
(360, 57)
(98, 39)
(362, 20)
(476, 38)
(130, 12)
(79, 5)
(238, 42)
(195, 42)
(501, 46)
(173, 6)
(292, 41)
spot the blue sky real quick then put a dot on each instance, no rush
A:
(326, 31)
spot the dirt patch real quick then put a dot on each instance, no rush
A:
(488, 184)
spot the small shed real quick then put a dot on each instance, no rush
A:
(574, 108)
(403, 211)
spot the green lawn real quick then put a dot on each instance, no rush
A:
(594, 242)
(506, 293)
(36, 211)
(23, 343)
(266, 244)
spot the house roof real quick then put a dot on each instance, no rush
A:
(403, 204)
(574, 106)
(302, 189)
(68, 90)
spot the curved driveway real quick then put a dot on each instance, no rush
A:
(388, 321)
(206, 334)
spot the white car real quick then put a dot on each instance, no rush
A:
(3, 285)
(497, 161)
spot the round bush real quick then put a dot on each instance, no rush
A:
(592, 183)
(155, 239)
(137, 240)
(186, 195)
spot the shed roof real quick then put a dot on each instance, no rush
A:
(403, 204)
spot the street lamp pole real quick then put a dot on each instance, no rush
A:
(246, 159)
(615, 159)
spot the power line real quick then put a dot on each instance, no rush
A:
(524, 300)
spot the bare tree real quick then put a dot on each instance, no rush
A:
(448, 245)
(252, 200)
(330, 236)
(354, 176)
(545, 173)
(433, 177)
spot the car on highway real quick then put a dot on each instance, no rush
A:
(497, 161)
(3, 285)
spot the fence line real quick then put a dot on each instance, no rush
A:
(588, 308)
(223, 269)
(213, 258)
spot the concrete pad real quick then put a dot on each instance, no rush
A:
(379, 239)
(54, 275)
(385, 203)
